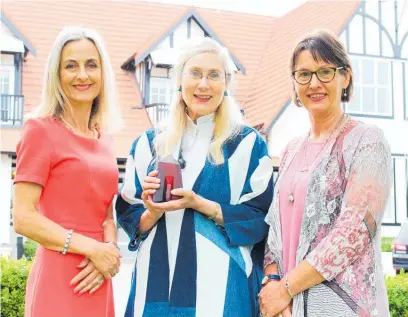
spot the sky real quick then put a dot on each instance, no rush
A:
(274, 8)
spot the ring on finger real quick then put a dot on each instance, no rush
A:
(99, 281)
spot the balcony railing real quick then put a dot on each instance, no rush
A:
(157, 112)
(11, 109)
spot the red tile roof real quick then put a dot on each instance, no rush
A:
(262, 44)
(271, 86)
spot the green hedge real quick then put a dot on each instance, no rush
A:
(397, 287)
(13, 282)
(30, 247)
(14, 276)
(386, 244)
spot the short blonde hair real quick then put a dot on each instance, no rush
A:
(228, 119)
(104, 112)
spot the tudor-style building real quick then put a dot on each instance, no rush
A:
(377, 41)
(143, 43)
(153, 67)
(376, 38)
(14, 47)
(143, 40)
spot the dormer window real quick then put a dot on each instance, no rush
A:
(14, 47)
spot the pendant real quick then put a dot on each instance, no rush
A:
(291, 198)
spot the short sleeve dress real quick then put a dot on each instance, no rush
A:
(79, 177)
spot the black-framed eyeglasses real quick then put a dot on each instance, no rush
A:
(324, 75)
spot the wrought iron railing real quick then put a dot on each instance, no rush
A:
(11, 109)
(157, 112)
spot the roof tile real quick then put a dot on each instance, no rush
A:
(261, 43)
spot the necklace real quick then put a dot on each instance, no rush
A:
(291, 196)
(95, 133)
(182, 162)
(307, 166)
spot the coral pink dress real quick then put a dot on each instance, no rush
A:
(79, 178)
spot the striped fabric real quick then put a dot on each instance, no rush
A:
(188, 265)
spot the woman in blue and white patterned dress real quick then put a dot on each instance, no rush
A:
(200, 255)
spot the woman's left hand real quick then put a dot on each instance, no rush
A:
(273, 299)
(188, 199)
(89, 279)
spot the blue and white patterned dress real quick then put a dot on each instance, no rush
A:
(187, 265)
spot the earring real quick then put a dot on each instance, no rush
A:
(225, 93)
(299, 101)
(179, 89)
(344, 92)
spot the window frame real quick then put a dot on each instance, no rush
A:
(167, 85)
(360, 85)
(392, 199)
(10, 71)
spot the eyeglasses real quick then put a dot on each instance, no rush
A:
(214, 76)
(324, 75)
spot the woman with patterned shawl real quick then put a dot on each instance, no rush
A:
(201, 255)
(332, 189)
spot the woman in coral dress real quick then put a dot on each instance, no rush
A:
(65, 182)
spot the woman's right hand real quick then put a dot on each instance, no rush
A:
(150, 184)
(106, 259)
(287, 312)
(89, 279)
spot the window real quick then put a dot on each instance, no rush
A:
(7, 98)
(7, 74)
(160, 90)
(396, 210)
(6, 81)
(372, 87)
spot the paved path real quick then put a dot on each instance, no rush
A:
(121, 286)
(121, 282)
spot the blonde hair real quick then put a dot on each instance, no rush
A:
(104, 113)
(228, 119)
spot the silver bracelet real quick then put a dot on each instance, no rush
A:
(216, 212)
(67, 241)
(287, 287)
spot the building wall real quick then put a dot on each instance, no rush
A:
(5, 203)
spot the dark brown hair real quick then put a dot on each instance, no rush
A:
(324, 46)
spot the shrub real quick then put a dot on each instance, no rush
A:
(397, 287)
(386, 244)
(30, 247)
(13, 283)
